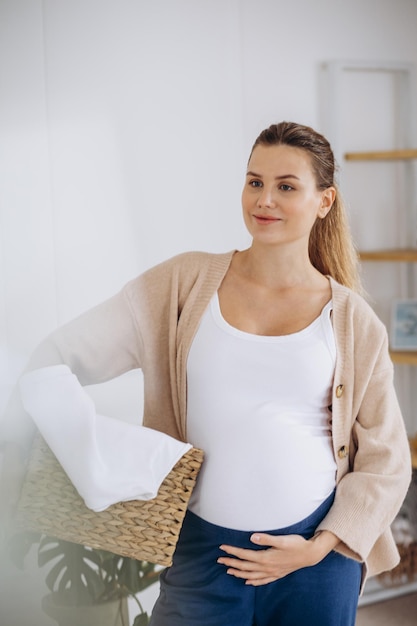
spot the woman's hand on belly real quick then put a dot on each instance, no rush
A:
(283, 554)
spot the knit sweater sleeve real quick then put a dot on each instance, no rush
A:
(99, 345)
(136, 328)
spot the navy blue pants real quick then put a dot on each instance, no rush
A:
(197, 591)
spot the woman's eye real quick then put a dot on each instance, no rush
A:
(285, 187)
(255, 183)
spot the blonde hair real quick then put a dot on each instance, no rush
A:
(331, 247)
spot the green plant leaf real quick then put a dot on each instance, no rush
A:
(49, 551)
(83, 574)
(75, 568)
(134, 575)
(141, 620)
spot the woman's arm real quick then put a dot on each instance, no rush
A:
(370, 494)
(99, 345)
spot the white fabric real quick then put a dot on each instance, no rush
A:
(108, 460)
(258, 406)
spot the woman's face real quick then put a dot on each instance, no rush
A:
(280, 199)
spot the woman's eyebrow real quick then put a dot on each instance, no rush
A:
(250, 173)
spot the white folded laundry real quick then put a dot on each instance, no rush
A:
(108, 460)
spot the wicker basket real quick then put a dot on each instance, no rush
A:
(144, 530)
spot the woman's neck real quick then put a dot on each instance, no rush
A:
(277, 268)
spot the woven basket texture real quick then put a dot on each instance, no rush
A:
(143, 530)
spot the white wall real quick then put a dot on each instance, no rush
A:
(125, 126)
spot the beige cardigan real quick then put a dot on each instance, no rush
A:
(150, 325)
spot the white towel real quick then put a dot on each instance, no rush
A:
(108, 460)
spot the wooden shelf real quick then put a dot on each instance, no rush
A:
(384, 155)
(404, 357)
(407, 255)
(413, 448)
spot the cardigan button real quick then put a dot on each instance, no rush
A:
(339, 391)
(343, 452)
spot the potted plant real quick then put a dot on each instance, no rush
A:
(87, 586)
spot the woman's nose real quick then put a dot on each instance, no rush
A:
(266, 198)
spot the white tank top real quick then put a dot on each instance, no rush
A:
(258, 407)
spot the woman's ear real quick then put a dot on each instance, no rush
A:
(327, 199)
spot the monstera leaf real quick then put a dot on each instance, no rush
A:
(75, 569)
(141, 620)
(126, 576)
(80, 575)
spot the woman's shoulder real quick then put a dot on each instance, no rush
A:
(196, 259)
(191, 263)
(349, 297)
(353, 306)
(183, 268)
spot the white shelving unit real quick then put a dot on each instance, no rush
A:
(401, 102)
(376, 592)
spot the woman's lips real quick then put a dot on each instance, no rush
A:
(266, 219)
